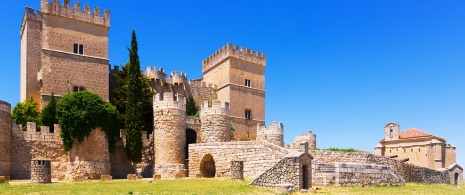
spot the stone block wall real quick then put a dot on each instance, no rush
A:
(202, 91)
(362, 175)
(5, 134)
(323, 174)
(257, 156)
(294, 169)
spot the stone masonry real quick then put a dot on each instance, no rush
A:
(169, 111)
(273, 134)
(214, 122)
(41, 171)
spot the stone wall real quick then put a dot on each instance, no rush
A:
(215, 125)
(5, 134)
(273, 134)
(169, 134)
(362, 175)
(408, 172)
(202, 91)
(294, 169)
(41, 171)
(258, 156)
(89, 158)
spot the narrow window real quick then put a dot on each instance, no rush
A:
(81, 49)
(75, 89)
(391, 132)
(247, 82)
(75, 48)
(248, 114)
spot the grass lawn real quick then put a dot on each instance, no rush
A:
(203, 186)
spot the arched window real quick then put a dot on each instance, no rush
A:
(391, 132)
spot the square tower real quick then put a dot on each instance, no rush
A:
(239, 74)
(64, 49)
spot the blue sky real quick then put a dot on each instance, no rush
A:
(343, 69)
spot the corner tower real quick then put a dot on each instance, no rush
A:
(64, 49)
(239, 74)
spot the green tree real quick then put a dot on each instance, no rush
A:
(81, 112)
(24, 112)
(134, 120)
(49, 114)
(120, 97)
(191, 109)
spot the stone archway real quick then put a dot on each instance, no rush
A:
(191, 138)
(207, 166)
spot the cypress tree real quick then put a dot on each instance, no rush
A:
(134, 120)
(191, 109)
(49, 113)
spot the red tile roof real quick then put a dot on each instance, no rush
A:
(412, 132)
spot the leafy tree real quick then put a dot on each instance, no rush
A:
(191, 109)
(81, 112)
(134, 121)
(24, 112)
(121, 96)
(49, 114)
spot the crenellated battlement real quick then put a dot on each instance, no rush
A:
(228, 50)
(75, 12)
(169, 100)
(155, 73)
(32, 135)
(216, 107)
(274, 128)
(178, 77)
(5, 107)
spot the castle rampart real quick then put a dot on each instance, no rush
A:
(5, 128)
(169, 111)
(273, 134)
(65, 10)
(236, 52)
(215, 122)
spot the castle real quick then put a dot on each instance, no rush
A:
(65, 49)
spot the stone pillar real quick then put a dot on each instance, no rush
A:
(215, 122)
(169, 112)
(5, 135)
(41, 171)
(237, 170)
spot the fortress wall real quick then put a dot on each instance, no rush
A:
(258, 156)
(5, 131)
(88, 159)
(202, 91)
(409, 173)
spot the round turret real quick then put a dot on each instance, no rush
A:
(215, 124)
(155, 74)
(177, 78)
(169, 112)
(273, 134)
(5, 132)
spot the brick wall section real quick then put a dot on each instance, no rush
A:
(5, 134)
(289, 170)
(362, 175)
(258, 156)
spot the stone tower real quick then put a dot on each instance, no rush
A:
(5, 135)
(273, 134)
(169, 112)
(64, 49)
(239, 74)
(215, 124)
(391, 132)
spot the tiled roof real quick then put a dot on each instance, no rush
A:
(412, 132)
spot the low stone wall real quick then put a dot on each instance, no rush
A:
(410, 173)
(258, 156)
(323, 174)
(355, 174)
(294, 169)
